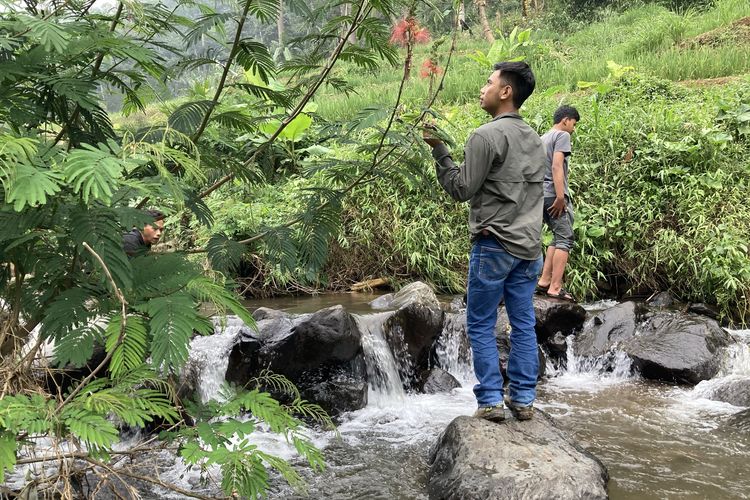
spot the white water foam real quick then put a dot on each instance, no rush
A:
(209, 358)
(590, 374)
(453, 351)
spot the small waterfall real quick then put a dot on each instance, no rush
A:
(734, 369)
(737, 356)
(209, 358)
(590, 373)
(386, 387)
(453, 350)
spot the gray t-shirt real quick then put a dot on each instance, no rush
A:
(554, 141)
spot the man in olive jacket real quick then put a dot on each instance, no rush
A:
(502, 176)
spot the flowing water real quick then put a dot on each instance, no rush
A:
(657, 441)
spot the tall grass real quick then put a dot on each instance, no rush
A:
(650, 38)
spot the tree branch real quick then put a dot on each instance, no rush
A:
(123, 324)
(305, 99)
(223, 79)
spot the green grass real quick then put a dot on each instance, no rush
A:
(650, 38)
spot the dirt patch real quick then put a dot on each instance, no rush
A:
(736, 33)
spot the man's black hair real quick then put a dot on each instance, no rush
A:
(520, 77)
(156, 214)
(565, 112)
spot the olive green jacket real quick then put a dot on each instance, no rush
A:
(502, 175)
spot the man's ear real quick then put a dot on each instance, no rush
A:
(506, 93)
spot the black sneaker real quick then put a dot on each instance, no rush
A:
(492, 413)
(519, 411)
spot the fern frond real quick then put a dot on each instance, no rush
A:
(93, 429)
(99, 228)
(244, 474)
(173, 320)
(224, 253)
(278, 246)
(8, 448)
(30, 186)
(254, 56)
(94, 172)
(50, 34)
(223, 300)
(264, 10)
(188, 117)
(130, 352)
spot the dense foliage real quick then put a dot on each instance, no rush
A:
(292, 161)
(72, 183)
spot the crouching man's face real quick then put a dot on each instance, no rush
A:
(152, 232)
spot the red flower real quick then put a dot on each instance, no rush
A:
(430, 68)
(408, 29)
(422, 35)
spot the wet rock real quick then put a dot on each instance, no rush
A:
(672, 347)
(704, 309)
(555, 315)
(342, 392)
(244, 358)
(382, 302)
(734, 390)
(457, 304)
(661, 300)
(438, 380)
(411, 333)
(415, 292)
(557, 345)
(310, 350)
(477, 459)
(606, 329)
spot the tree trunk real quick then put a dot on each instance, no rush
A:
(525, 8)
(481, 7)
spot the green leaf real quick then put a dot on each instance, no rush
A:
(254, 57)
(94, 172)
(224, 253)
(173, 320)
(205, 290)
(188, 117)
(31, 186)
(292, 132)
(50, 33)
(131, 352)
(8, 447)
(92, 429)
(99, 228)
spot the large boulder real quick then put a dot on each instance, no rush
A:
(412, 331)
(734, 389)
(477, 459)
(674, 347)
(555, 315)
(438, 380)
(606, 329)
(414, 292)
(321, 353)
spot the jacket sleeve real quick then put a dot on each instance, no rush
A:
(463, 182)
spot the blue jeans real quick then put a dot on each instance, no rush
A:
(494, 273)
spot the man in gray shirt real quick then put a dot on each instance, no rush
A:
(558, 210)
(502, 176)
